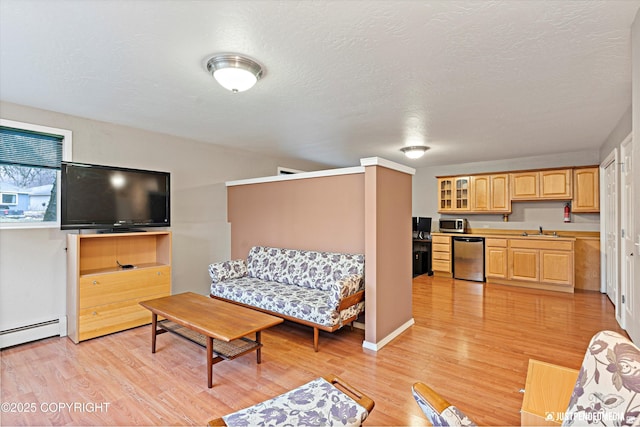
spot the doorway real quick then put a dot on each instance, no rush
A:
(609, 232)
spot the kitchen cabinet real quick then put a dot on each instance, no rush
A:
(490, 193)
(555, 184)
(543, 263)
(499, 197)
(453, 194)
(441, 255)
(586, 190)
(480, 193)
(496, 258)
(524, 185)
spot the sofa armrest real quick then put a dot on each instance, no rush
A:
(233, 269)
(346, 287)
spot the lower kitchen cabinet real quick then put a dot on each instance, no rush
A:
(441, 255)
(535, 262)
(496, 255)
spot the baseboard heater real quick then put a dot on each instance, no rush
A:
(36, 331)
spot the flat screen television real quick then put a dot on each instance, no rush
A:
(112, 198)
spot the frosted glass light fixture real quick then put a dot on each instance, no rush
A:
(234, 72)
(414, 151)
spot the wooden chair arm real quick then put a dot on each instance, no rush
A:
(347, 302)
(436, 401)
(217, 422)
(361, 399)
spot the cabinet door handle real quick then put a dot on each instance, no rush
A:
(95, 282)
(95, 313)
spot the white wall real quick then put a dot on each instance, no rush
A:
(525, 215)
(617, 135)
(32, 262)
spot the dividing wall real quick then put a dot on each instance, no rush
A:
(365, 209)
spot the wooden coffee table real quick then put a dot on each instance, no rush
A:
(221, 325)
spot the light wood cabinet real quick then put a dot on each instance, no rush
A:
(453, 194)
(496, 256)
(480, 193)
(499, 198)
(441, 255)
(524, 264)
(542, 263)
(490, 193)
(445, 194)
(556, 184)
(525, 185)
(494, 192)
(547, 391)
(553, 184)
(102, 297)
(586, 194)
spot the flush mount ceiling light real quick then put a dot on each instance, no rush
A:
(414, 151)
(234, 72)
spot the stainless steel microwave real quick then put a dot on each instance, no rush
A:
(453, 225)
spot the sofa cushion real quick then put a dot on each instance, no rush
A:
(310, 269)
(312, 305)
(227, 270)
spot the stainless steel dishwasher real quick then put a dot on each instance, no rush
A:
(468, 258)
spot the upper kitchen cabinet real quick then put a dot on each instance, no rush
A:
(553, 184)
(525, 185)
(586, 189)
(453, 194)
(490, 193)
(556, 184)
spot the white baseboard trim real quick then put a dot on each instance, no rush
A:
(38, 331)
(386, 340)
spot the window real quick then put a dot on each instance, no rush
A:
(30, 157)
(9, 198)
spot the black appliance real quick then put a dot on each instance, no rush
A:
(113, 198)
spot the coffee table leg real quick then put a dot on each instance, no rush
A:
(209, 362)
(259, 353)
(154, 325)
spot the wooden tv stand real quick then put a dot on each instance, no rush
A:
(103, 297)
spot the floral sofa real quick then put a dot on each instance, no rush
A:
(324, 290)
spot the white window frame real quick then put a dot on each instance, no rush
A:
(67, 144)
(15, 197)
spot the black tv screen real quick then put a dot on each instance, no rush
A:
(107, 197)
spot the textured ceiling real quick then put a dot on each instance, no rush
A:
(474, 80)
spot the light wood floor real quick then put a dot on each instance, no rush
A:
(471, 342)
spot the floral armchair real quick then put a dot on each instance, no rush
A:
(608, 383)
(325, 401)
(605, 393)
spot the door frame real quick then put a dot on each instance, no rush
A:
(627, 281)
(607, 223)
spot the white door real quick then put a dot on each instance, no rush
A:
(609, 234)
(627, 234)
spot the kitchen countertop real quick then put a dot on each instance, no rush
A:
(512, 235)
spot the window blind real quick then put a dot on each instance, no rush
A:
(25, 148)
